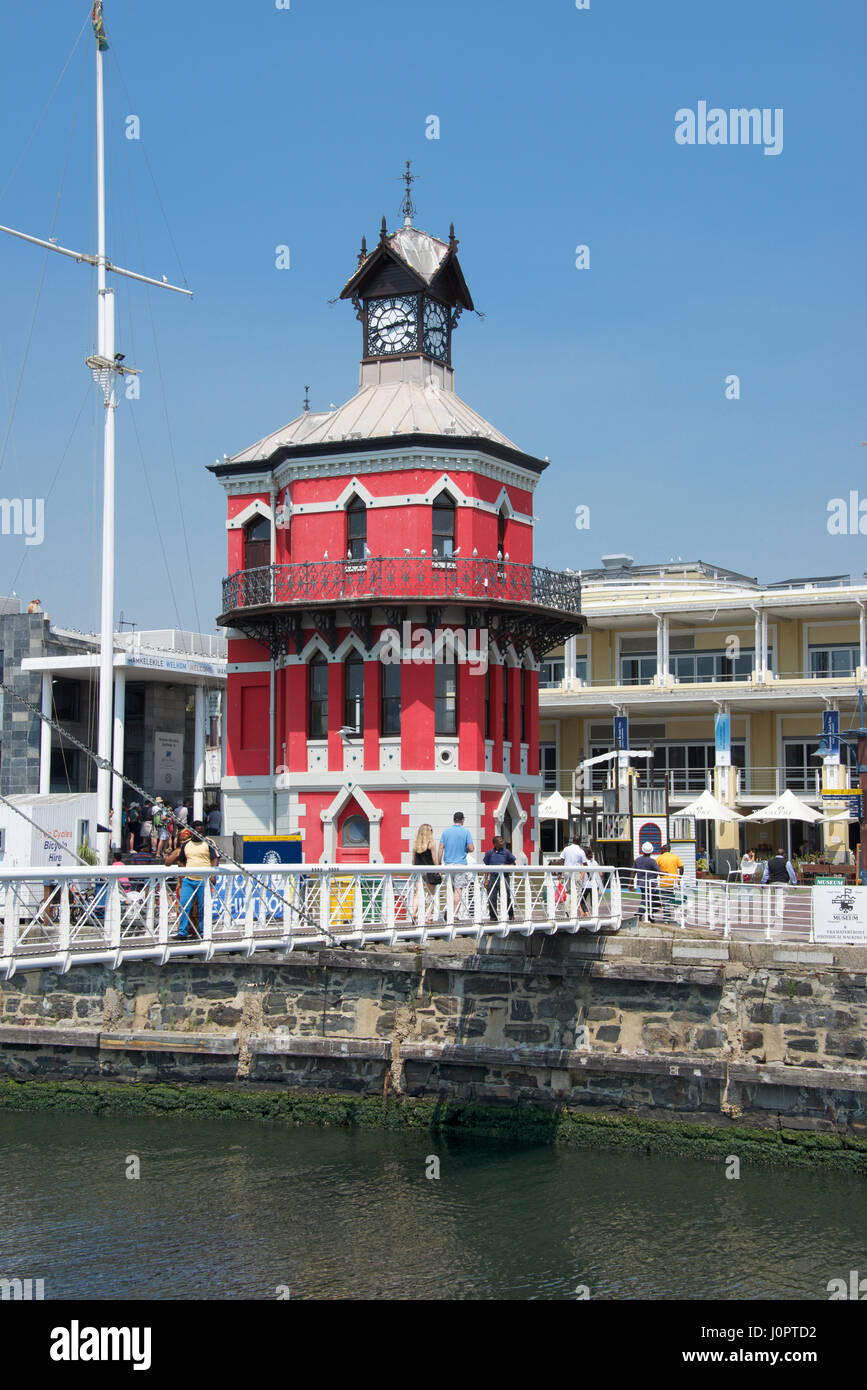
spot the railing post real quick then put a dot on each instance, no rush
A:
(325, 902)
(113, 914)
(449, 890)
(163, 900)
(478, 901)
(206, 926)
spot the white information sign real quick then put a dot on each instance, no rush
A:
(840, 914)
(168, 762)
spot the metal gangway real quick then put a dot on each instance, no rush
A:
(54, 919)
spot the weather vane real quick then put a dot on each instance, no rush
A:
(306, 397)
(407, 206)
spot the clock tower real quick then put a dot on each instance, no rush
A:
(408, 293)
(386, 621)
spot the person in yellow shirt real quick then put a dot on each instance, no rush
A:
(193, 852)
(670, 870)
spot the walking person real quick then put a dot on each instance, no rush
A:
(146, 840)
(181, 822)
(592, 872)
(194, 853)
(670, 871)
(746, 869)
(162, 821)
(499, 884)
(575, 858)
(133, 827)
(423, 852)
(646, 879)
(778, 872)
(455, 844)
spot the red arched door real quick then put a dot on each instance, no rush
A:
(353, 836)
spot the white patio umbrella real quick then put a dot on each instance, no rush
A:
(708, 807)
(787, 807)
(554, 807)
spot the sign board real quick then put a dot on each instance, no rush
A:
(212, 767)
(831, 733)
(840, 915)
(723, 736)
(621, 731)
(827, 880)
(271, 849)
(168, 762)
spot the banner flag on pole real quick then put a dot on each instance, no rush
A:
(99, 27)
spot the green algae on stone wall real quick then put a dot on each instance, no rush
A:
(523, 1124)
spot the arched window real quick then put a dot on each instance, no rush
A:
(523, 705)
(317, 718)
(488, 733)
(353, 713)
(505, 671)
(257, 543)
(443, 539)
(446, 698)
(356, 529)
(501, 533)
(390, 714)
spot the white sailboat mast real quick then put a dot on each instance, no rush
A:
(106, 373)
(107, 379)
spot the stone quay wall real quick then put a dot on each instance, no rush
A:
(655, 1025)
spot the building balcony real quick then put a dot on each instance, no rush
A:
(755, 786)
(404, 579)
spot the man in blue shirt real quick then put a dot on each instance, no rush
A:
(499, 883)
(455, 843)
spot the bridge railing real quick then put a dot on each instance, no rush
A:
(56, 918)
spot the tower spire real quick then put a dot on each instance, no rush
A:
(407, 206)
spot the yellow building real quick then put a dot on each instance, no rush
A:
(670, 647)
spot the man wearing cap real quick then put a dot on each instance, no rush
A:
(192, 853)
(646, 871)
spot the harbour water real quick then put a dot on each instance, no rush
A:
(234, 1209)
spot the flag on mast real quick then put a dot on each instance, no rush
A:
(99, 27)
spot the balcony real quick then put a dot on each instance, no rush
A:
(755, 785)
(403, 579)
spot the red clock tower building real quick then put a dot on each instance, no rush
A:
(384, 616)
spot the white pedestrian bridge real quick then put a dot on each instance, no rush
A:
(53, 919)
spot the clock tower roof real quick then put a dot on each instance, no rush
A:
(411, 259)
(381, 410)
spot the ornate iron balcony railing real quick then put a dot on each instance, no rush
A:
(419, 578)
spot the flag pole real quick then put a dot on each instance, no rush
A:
(107, 371)
(106, 377)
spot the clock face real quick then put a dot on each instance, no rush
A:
(392, 325)
(436, 330)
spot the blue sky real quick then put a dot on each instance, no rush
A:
(266, 127)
